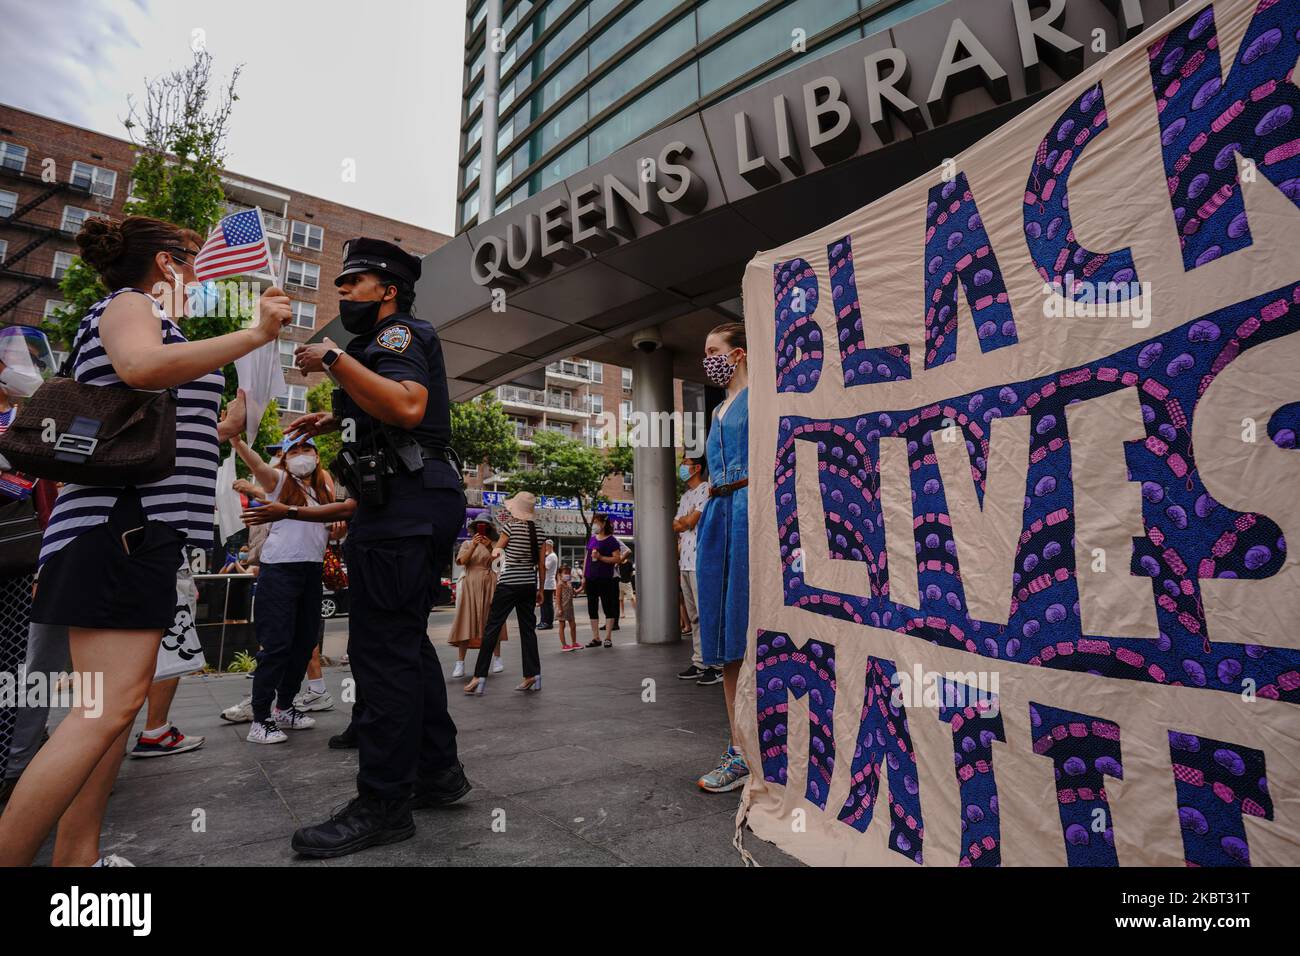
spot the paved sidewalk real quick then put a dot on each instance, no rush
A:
(584, 773)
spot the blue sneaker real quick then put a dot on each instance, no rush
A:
(729, 774)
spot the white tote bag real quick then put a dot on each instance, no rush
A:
(181, 652)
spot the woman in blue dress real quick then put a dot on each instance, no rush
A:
(722, 542)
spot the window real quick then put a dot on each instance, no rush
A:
(627, 481)
(286, 353)
(567, 163)
(643, 64)
(651, 107)
(4, 249)
(306, 274)
(304, 314)
(8, 203)
(768, 38)
(13, 156)
(555, 129)
(627, 379)
(715, 15)
(52, 306)
(73, 218)
(597, 372)
(305, 234)
(623, 32)
(471, 171)
(100, 182)
(624, 410)
(469, 209)
(62, 260)
(596, 403)
(294, 399)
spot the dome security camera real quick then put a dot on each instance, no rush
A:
(647, 340)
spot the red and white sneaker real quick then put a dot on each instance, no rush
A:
(170, 741)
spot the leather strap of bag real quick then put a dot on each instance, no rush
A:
(716, 491)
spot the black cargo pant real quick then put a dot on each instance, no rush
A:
(404, 732)
(507, 599)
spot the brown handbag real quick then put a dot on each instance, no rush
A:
(93, 434)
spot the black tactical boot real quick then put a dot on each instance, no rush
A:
(344, 741)
(365, 821)
(444, 787)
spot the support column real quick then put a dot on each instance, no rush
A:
(487, 178)
(655, 501)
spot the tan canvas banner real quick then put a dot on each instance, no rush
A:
(1023, 471)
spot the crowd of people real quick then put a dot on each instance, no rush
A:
(114, 570)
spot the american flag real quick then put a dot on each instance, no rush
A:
(236, 247)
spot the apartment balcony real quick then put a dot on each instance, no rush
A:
(244, 195)
(578, 373)
(535, 402)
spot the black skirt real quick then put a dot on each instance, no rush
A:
(99, 580)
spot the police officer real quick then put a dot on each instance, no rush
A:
(394, 413)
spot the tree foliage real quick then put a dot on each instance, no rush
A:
(178, 135)
(481, 433)
(320, 398)
(568, 468)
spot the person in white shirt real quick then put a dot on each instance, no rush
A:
(300, 504)
(693, 471)
(548, 586)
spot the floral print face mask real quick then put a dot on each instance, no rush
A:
(718, 370)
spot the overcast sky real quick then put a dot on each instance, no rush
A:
(377, 82)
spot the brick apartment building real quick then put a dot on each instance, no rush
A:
(54, 175)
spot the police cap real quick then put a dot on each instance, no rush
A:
(376, 255)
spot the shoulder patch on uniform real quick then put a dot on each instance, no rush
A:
(395, 338)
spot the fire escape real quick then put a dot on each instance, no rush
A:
(41, 224)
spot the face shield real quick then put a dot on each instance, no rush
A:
(26, 360)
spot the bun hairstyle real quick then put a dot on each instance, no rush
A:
(123, 252)
(733, 333)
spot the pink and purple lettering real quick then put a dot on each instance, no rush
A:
(785, 672)
(862, 365)
(958, 252)
(1083, 750)
(1217, 783)
(1206, 122)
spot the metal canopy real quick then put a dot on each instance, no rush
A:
(683, 274)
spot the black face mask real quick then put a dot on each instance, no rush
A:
(359, 317)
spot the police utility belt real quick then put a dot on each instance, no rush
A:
(365, 469)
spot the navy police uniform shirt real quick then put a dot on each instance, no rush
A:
(404, 349)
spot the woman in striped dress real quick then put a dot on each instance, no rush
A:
(519, 589)
(110, 554)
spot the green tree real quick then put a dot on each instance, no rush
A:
(178, 135)
(568, 468)
(481, 433)
(320, 398)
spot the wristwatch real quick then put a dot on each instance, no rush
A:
(293, 511)
(330, 357)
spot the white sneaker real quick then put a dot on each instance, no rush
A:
(241, 713)
(266, 732)
(458, 670)
(497, 666)
(310, 700)
(292, 719)
(112, 860)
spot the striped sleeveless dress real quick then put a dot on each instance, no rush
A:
(185, 499)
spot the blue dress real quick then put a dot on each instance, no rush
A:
(722, 541)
